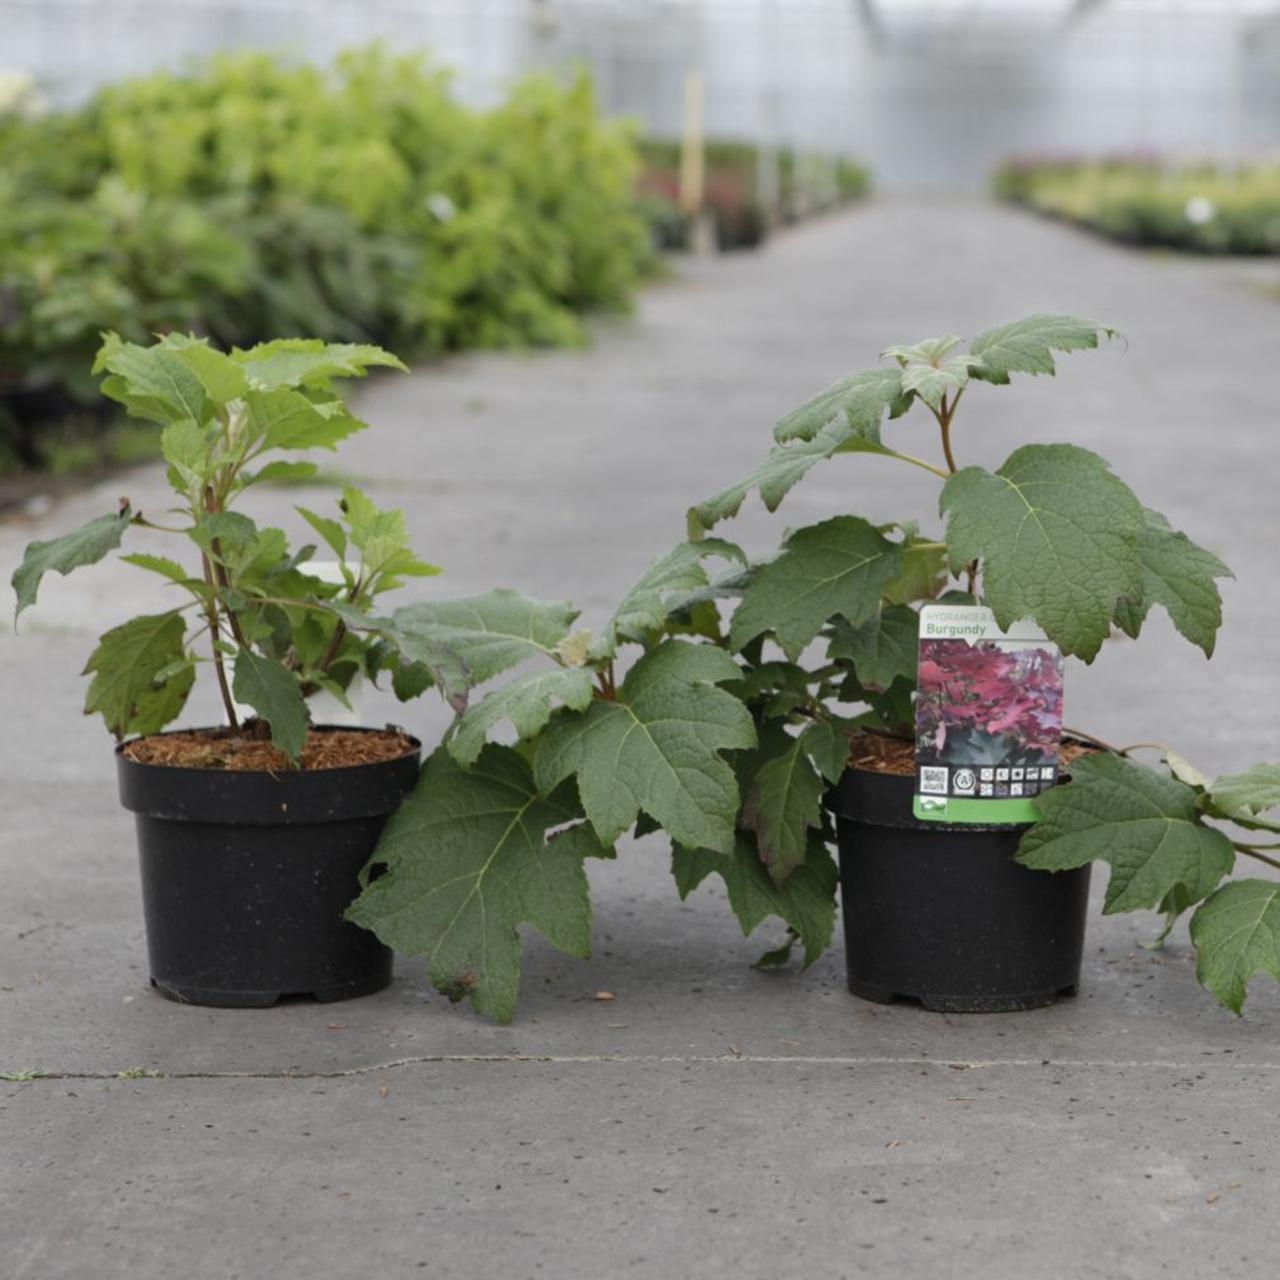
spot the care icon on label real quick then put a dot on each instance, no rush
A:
(965, 782)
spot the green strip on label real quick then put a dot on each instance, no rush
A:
(967, 809)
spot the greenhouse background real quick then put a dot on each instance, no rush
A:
(929, 92)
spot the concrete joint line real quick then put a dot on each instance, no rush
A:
(499, 1059)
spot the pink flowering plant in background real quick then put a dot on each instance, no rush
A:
(988, 702)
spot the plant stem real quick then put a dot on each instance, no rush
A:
(159, 528)
(211, 613)
(1253, 851)
(211, 505)
(332, 651)
(1067, 731)
(944, 416)
(917, 462)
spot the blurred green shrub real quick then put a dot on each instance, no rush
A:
(255, 197)
(1204, 207)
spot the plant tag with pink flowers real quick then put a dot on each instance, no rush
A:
(988, 717)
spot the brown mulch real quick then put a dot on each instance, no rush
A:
(250, 748)
(882, 754)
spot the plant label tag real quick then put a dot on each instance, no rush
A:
(988, 717)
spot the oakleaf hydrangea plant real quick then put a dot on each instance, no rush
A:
(247, 606)
(1051, 534)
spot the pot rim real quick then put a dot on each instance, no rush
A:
(258, 797)
(128, 761)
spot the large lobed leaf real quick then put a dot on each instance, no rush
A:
(467, 860)
(667, 582)
(87, 545)
(806, 901)
(859, 401)
(141, 674)
(526, 701)
(1245, 798)
(490, 632)
(656, 748)
(1236, 933)
(836, 568)
(1027, 346)
(464, 642)
(1180, 576)
(1057, 533)
(783, 467)
(1145, 824)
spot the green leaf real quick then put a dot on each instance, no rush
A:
(646, 607)
(782, 805)
(657, 748)
(806, 902)
(923, 573)
(785, 466)
(1143, 822)
(167, 568)
(442, 660)
(858, 401)
(87, 545)
(526, 701)
(1236, 933)
(1179, 575)
(1056, 532)
(185, 449)
(411, 680)
(1172, 905)
(222, 378)
(1185, 771)
(153, 382)
(928, 372)
(1026, 346)
(1243, 798)
(140, 681)
(330, 530)
(309, 362)
(490, 632)
(930, 351)
(382, 536)
(274, 693)
(827, 745)
(838, 567)
(285, 419)
(882, 648)
(467, 861)
(279, 473)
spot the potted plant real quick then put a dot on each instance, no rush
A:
(961, 916)
(252, 834)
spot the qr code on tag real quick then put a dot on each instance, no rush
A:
(933, 780)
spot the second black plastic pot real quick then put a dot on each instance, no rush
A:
(246, 875)
(942, 914)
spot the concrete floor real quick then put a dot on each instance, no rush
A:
(710, 1120)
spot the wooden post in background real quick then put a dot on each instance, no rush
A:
(693, 165)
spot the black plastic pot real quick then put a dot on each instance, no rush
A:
(942, 914)
(246, 874)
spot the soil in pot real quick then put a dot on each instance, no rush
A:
(941, 914)
(248, 864)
